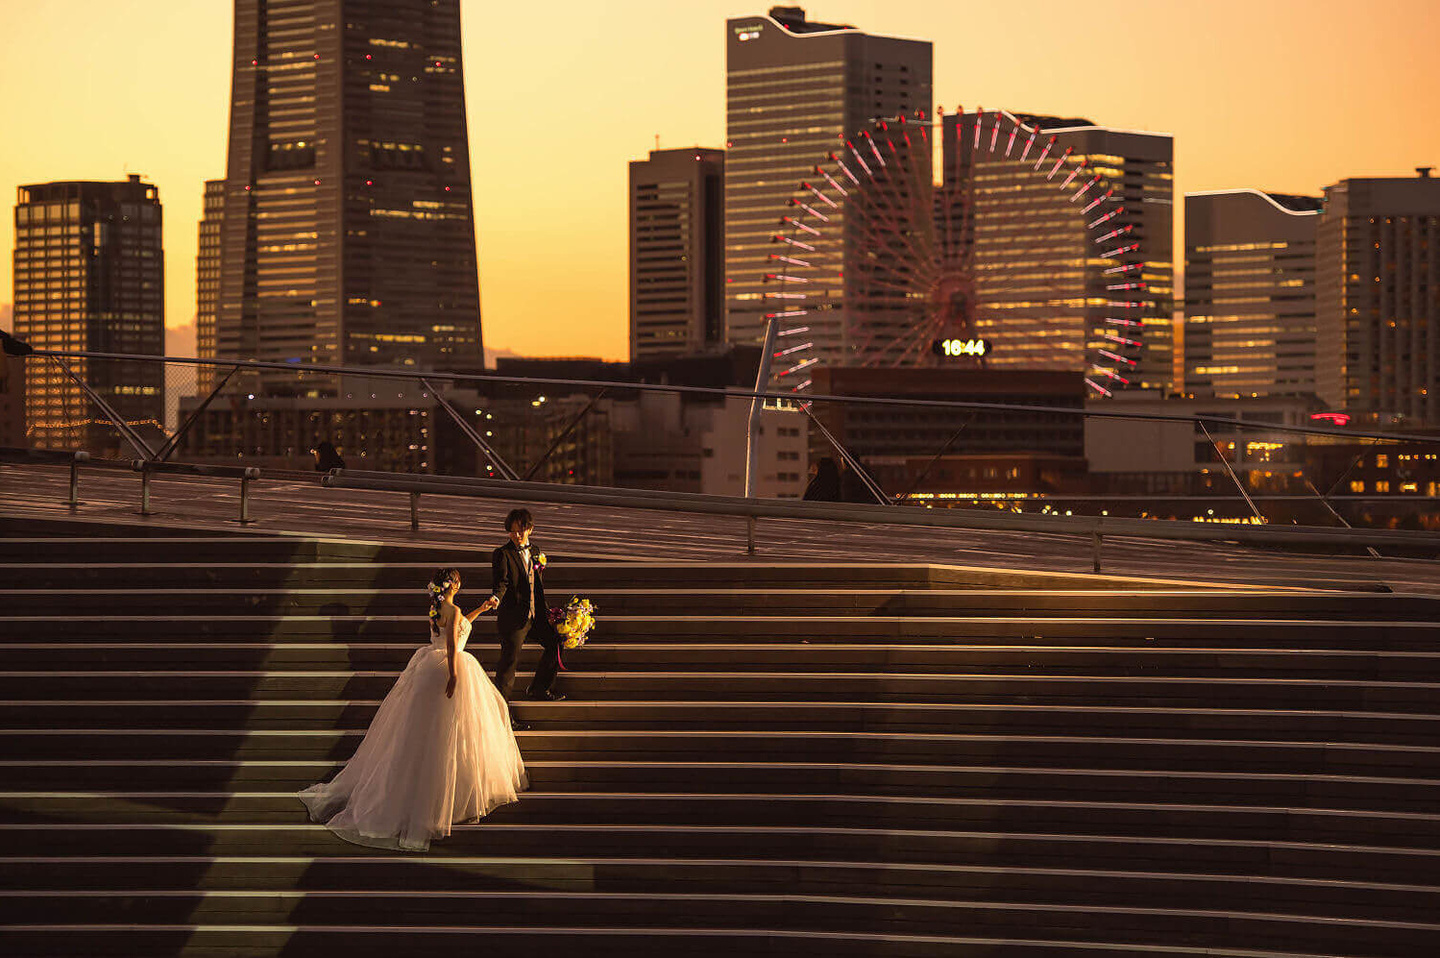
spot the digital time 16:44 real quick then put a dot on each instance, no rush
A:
(952, 348)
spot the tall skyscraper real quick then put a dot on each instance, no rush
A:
(90, 276)
(1377, 306)
(348, 231)
(677, 252)
(207, 277)
(794, 87)
(1250, 293)
(1040, 285)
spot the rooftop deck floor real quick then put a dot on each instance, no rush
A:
(303, 507)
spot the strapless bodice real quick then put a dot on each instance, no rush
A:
(437, 639)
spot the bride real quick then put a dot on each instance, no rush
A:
(439, 750)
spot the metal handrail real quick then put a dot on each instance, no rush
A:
(847, 512)
(382, 372)
(1094, 527)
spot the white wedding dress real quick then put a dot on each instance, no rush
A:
(427, 761)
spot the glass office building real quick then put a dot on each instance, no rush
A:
(347, 233)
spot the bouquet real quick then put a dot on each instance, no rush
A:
(574, 622)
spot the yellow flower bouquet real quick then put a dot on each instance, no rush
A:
(574, 622)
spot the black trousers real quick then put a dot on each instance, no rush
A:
(545, 670)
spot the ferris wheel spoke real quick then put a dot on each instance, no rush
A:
(1034, 131)
(1046, 152)
(883, 234)
(1060, 162)
(1086, 188)
(1073, 173)
(892, 217)
(887, 230)
(1107, 217)
(859, 159)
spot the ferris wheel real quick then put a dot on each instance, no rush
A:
(1023, 255)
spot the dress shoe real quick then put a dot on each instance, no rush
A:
(516, 725)
(550, 695)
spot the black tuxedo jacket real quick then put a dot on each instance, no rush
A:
(511, 586)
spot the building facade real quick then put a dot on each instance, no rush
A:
(976, 448)
(348, 230)
(689, 443)
(794, 87)
(207, 280)
(1377, 309)
(677, 253)
(398, 427)
(1040, 290)
(1250, 293)
(12, 401)
(90, 276)
(647, 439)
(1141, 456)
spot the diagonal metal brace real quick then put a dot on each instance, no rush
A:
(1226, 463)
(1325, 501)
(173, 442)
(850, 460)
(529, 473)
(469, 430)
(134, 438)
(943, 449)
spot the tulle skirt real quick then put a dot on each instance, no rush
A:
(427, 761)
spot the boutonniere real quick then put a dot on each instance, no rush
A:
(540, 560)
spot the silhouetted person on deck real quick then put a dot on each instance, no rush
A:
(326, 458)
(824, 481)
(852, 487)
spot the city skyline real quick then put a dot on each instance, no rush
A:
(553, 123)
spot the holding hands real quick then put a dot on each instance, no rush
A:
(482, 608)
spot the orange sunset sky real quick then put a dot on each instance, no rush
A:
(1283, 95)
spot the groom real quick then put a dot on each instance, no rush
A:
(519, 593)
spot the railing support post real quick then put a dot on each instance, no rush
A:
(144, 489)
(74, 501)
(1097, 538)
(414, 512)
(750, 535)
(245, 480)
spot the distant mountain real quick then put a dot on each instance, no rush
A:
(491, 355)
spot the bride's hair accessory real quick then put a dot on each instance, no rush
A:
(440, 583)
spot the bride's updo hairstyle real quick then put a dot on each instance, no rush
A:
(440, 584)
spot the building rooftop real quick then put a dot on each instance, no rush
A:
(1297, 203)
(1043, 122)
(793, 20)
